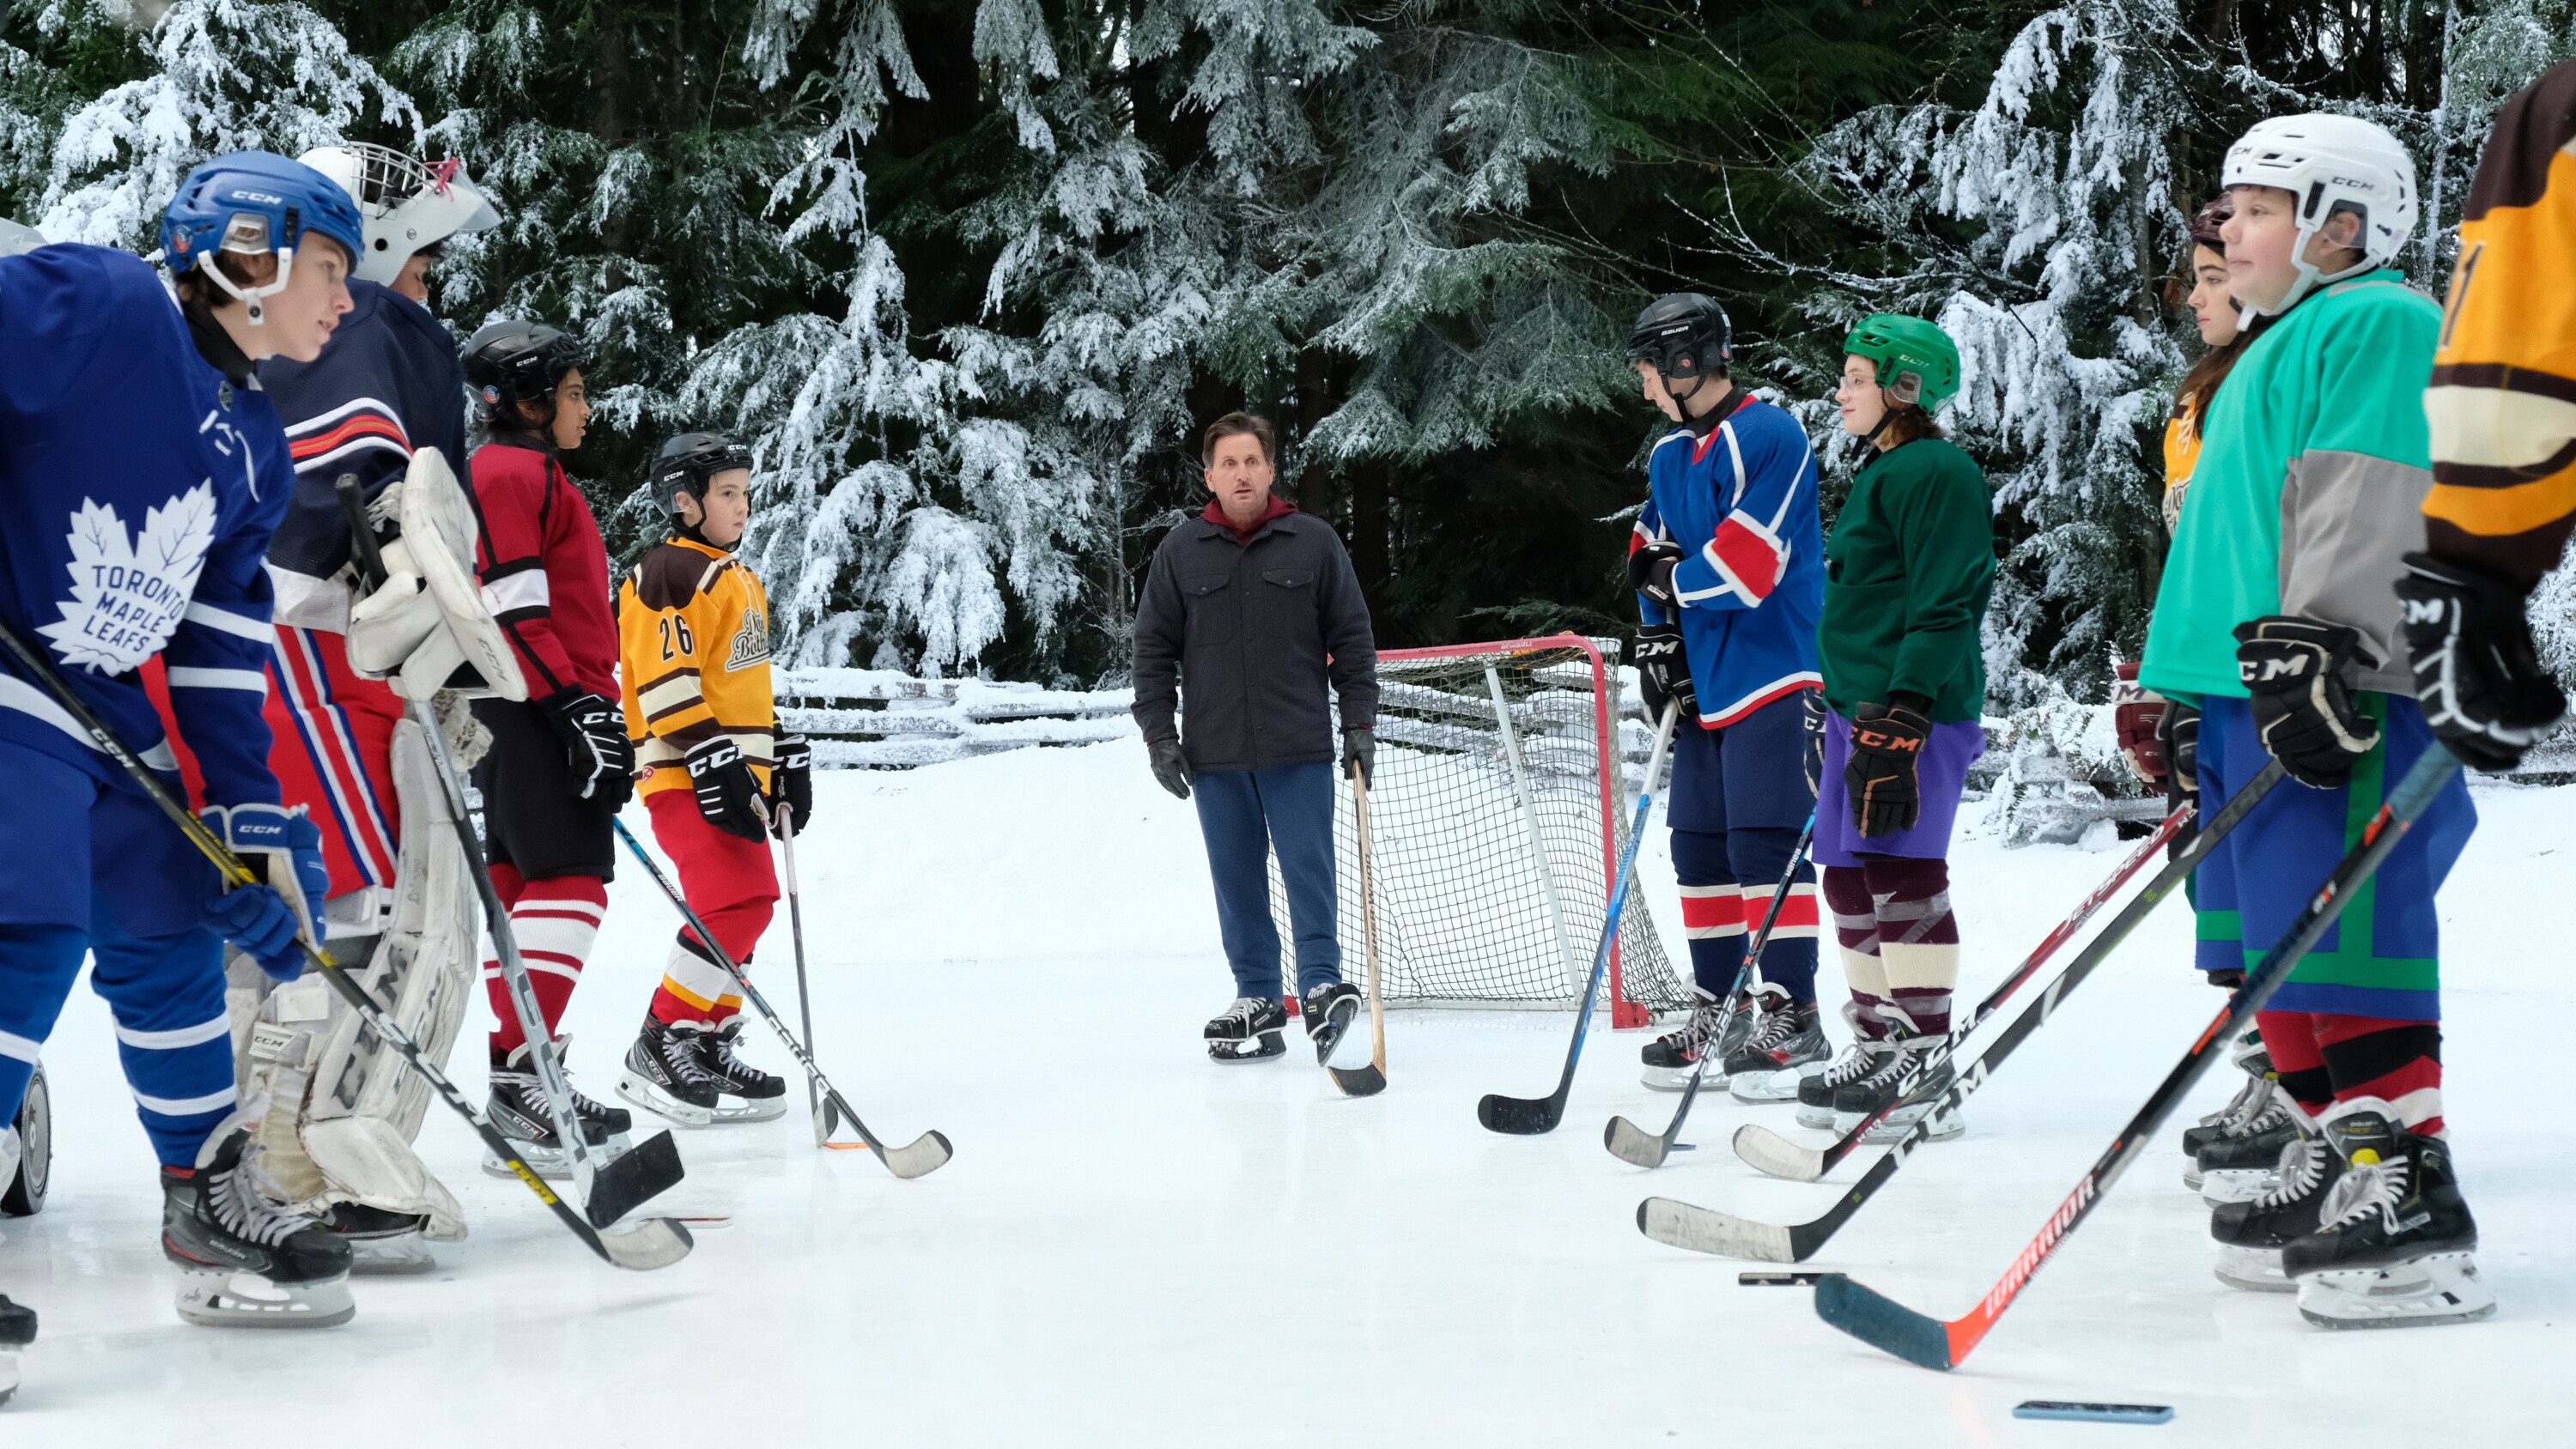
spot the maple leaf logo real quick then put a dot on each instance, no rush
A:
(128, 592)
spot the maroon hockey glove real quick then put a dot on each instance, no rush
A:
(2137, 713)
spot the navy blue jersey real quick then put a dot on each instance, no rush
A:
(140, 490)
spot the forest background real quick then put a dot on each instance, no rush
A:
(972, 273)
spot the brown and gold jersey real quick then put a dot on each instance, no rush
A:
(693, 660)
(2503, 397)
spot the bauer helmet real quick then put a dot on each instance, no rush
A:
(516, 362)
(409, 206)
(253, 202)
(1682, 335)
(2330, 163)
(1917, 362)
(689, 462)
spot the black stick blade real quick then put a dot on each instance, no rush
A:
(1882, 1322)
(1520, 1116)
(1633, 1144)
(634, 1178)
(1365, 1081)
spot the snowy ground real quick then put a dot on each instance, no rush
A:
(1134, 1247)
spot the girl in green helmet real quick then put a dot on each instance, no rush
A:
(1907, 573)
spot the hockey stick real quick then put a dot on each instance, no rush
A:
(1886, 1324)
(652, 1243)
(1369, 1080)
(825, 1116)
(1772, 1153)
(608, 1189)
(1626, 1140)
(924, 1154)
(1526, 1116)
(1703, 1230)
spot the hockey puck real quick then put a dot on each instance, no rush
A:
(2093, 1413)
(1776, 1278)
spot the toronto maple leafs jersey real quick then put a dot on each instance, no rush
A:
(139, 489)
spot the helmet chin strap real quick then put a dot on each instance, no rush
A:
(2309, 278)
(251, 297)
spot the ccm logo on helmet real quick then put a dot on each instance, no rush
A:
(261, 197)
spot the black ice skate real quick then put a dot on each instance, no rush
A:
(1329, 1010)
(1671, 1058)
(1786, 1046)
(1882, 1090)
(2243, 1160)
(381, 1242)
(2252, 1233)
(1247, 1031)
(243, 1261)
(1816, 1094)
(518, 1108)
(17, 1330)
(761, 1097)
(666, 1072)
(2396, 1247)
(2250, 1057)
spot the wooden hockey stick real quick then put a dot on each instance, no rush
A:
(1369, 1080)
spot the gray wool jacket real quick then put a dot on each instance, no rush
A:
(1254, 636)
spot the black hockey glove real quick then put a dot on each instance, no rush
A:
(1171, 767)
(1663, 671)
(596, 750)
(2484, 690)
(1886, 745)
(2303, 707)
(1811, 755)
(2179, 735)
(1359, 754)
(791, 784)
(726, 788)
(1650, 572)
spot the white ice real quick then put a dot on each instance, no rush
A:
(1136, 1247)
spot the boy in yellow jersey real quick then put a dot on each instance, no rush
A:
(693, 660)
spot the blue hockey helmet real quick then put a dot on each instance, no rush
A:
(253, 202)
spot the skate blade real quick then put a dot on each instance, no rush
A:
(2255, 1270)
(373, 1261)
(753, 1109)
(2219, 1188)
(652, 1099)
(1762, 1089)
(1820, 1119)
(2191, 1178)
(1677, 1079)
(553, 1163)
(1336, 1045)
(220, 1298)
(1235, 1052)
(2443, 1288)
(1945, 1128)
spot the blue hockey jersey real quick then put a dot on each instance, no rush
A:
(140, 489)
(1741, 501)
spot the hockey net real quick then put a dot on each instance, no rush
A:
(1497, 816)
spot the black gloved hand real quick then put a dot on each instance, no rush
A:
(1171, 767)
(2179, 734)
(1886, 745)
(596, 750)
(1663, 671)
(1811, 753)
(2303, 709)
(726, 788)
(1650, 572)
(791, 784)
(1359, 753)
(2484, 690)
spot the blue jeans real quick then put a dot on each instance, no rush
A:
(1245, 815)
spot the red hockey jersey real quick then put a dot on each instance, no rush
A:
(544, 568)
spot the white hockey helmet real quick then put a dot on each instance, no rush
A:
(407, 205)
(2331, 163)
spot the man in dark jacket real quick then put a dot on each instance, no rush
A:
(1253, 607)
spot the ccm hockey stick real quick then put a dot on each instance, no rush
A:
(1703, 1230)
(826, 1117)
(1369, 1080)
(924, 1154)
(1526, 1116)
(609, 1189)
(652, 1243)
(1886, 1324)
(1626, 1140)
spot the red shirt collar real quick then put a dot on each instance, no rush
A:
(1215, 513)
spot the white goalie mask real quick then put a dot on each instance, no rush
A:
(407, 205)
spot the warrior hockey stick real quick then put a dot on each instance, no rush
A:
(825, 1116)
(1884, 1323)
(653, 1243)
(608, 1190)
(1626, 1140)
(924, 1154)
(1369, 1080)
(1702, 1230)
(1526, 1116)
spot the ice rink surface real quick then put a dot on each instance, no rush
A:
(1136, 1247)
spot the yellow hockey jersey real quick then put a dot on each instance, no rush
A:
(693, 660)
(2503, 397)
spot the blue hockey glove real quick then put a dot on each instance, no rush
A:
(258, 920)
(283, 848)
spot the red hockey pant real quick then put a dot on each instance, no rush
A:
(733, 887)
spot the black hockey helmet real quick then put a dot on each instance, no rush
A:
(1685, 335)
(689, 462)
(513, 362)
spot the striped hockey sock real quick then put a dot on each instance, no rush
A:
(555, 921)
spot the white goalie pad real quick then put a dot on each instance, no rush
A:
(343, 1107)
(427, 628)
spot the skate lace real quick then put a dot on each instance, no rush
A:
(2364, 1189)
(2303, 1162)
(2238, 1106)
(583, 1105)
(1245, 1009)
(730, 1065)
(2273, 1117)
(680, 1056)
(245, 1213)
(1856, 1062)
(1776, 1028)
(1706, 1020)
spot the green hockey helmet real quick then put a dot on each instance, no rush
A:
(1917, 362)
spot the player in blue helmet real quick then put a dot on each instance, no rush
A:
(143, 472)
